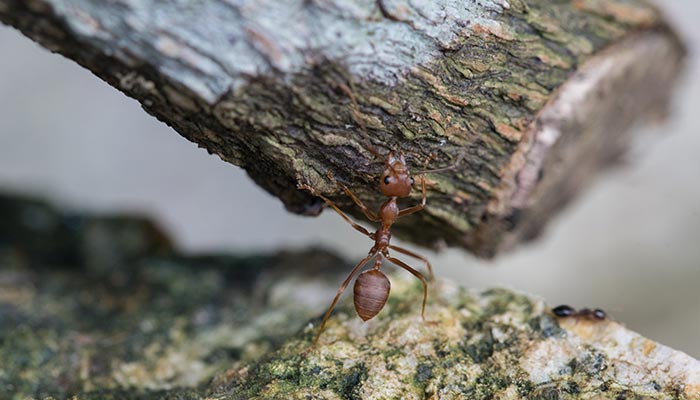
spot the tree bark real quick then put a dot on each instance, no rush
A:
(535, 95)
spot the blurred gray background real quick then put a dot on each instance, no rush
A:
(629, 244)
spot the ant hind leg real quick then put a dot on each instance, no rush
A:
(337, 296)
(431, 275)
(417, 275)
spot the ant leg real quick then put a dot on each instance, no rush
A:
(417, 275)
(417, 256)
(340, 291)
(448, 168)
(328, 201)
(421, 206)
(368, 213)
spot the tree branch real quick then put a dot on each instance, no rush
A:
(537, 95)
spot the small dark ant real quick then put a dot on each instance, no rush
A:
(372, 287)
(564, 311)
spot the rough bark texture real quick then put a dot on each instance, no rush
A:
(112, 311)
(537, 94)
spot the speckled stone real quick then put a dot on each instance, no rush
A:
(475, 344)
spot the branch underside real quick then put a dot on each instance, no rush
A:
(537, 96)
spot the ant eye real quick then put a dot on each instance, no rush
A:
(412, 181)
(387, 180)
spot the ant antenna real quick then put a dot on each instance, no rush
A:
(448, 168)
(451, 166)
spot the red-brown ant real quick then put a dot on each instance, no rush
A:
(372, 286)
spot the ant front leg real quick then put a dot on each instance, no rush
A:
(368, 213)
(328, 201)
(417, 256)
(421, 206)
(417, 275)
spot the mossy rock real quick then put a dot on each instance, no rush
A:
(135, 319)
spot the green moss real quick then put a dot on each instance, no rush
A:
(351, 382)
(547, 393)
(482, 350)
(546, 325)
(423, 373)
(593, 363)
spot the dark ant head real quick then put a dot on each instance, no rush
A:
(599, 314)
(396, 180)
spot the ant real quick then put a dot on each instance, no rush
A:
(568, 311)
(372, 287)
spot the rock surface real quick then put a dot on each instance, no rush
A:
(91, 303)
(475, 344)
(106, 308)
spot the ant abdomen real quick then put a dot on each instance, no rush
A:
(371, 291)
(563, 311)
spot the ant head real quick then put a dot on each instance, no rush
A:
(396, 180)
